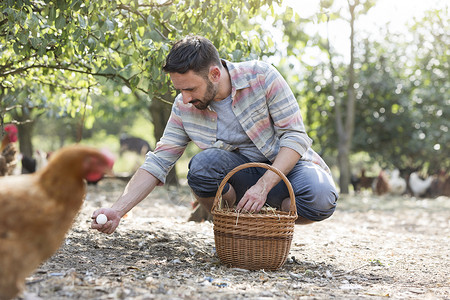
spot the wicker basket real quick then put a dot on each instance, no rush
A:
(253, 241)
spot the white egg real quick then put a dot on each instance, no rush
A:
(101, 219)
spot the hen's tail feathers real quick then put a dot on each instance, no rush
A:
(8, 160)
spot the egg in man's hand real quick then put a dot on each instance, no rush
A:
(101, 219)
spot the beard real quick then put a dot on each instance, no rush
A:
(210, 94)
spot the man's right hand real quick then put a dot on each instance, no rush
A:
(112, 223)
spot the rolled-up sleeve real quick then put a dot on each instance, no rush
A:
(169, 149)
(285, 113)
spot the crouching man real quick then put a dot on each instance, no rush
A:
(236, 113)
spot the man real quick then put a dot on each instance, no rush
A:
(236, 113)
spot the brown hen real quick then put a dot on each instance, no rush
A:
(36, 211)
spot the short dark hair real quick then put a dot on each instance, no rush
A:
(194, 53)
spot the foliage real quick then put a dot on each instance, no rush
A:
(119, 40)
(404, 96)
(343, 102)
(72, 50)
(431, 89)
(401, 92)
(91, 63)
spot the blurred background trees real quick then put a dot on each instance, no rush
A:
(75, 70)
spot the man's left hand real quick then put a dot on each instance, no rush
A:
(254, 199)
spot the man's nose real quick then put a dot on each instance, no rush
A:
(186, 97)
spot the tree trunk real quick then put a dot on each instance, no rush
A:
(25, 135)
(345, 124)
(344, 168)
(346, 138)
(160, 113)
(25, 127)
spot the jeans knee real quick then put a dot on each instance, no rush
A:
(327, 196)
(202, 164)
(320, 204)
(207, 169)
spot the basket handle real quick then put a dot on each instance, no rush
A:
(293, 206)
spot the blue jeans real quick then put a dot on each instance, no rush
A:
(314, 189)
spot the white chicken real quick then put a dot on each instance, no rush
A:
(419, 186)
(397, 183)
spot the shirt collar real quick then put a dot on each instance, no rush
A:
(238, 80)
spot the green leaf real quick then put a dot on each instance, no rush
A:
(60, 22)
(155, 72)
(155, 36)
(91, 43)
(23, 37)
(76, 4)
(136, 55)
(81, 21)
(61, 4)
(77, 34)
(51, 15)
(41, 51)
(34, 22)
(135, 81)
(35, 42)
(150, 20)
(110, 25)
(81, 46)
(16, 48)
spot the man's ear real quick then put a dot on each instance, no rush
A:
(214, 73)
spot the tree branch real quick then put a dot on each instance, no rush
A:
(107, 75)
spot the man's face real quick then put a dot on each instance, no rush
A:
(194, 88)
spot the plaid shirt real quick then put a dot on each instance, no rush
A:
(262, 102)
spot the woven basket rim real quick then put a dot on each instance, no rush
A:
(233, 214)
(217, 205)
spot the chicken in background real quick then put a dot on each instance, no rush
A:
(41, 159)
(362, 182)
(28, 164)
(8, 151)
(396, 183)
(418, 185)
(38, 209)
(354, 180)
(133, 144)
(34, 163)
(10, 136)
(445, 188)
(381, 184)
(440, 186)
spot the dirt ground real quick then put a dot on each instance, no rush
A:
(371, 248)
